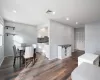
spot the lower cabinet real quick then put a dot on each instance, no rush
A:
(64, 52)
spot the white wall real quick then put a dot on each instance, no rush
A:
(60, 34)
(2, 47)
(92, 38)
(79, 35)
(27, 32)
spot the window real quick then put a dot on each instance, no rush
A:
(0, 40)
(17, 40)
(1, 34)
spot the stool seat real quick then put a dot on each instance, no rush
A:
(89, 58)
(86, 71)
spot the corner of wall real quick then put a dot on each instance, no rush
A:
(1, 60)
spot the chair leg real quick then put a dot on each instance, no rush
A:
(25, 63)
(14, 61)
(23, 60)
(33, 62)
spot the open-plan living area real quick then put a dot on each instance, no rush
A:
(49, 39)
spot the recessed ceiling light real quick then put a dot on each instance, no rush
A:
(43, 29)
(53, 12)
(13, 20)
(67, 18)
(14, 11)
(76, 22)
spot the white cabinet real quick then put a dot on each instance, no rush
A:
(64, 52)
(89, 58)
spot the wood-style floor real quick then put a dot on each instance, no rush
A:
(51, 70)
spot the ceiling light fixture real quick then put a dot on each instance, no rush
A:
(14, 11)
(76, 22)
(67, 18)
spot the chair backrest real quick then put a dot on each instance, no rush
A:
(15, 50)
(28, 52)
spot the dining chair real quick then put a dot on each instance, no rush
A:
(34, 48)
(21, 51)
(29, 56)
(16, 55)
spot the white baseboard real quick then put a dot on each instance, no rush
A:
(1, 61)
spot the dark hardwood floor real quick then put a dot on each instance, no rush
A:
(50, 70)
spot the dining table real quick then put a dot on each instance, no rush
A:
(21, 54)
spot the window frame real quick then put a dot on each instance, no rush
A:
(1, 35)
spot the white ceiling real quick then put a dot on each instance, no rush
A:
(33, 11)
